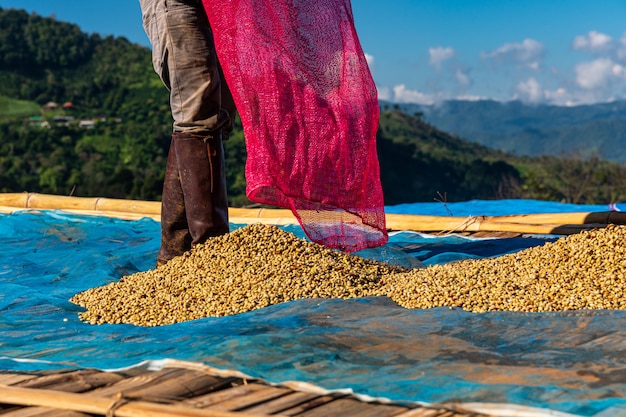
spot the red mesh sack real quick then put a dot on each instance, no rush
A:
(310, 113)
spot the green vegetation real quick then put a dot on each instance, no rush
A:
(418, 161)
(11, 107)
(110, 132)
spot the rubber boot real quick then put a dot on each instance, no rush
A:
(194, 204)
(175, 237)
(203, 180)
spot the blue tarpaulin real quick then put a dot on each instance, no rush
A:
(571, 361)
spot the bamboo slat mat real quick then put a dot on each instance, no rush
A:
(188, 392)
(487, 226)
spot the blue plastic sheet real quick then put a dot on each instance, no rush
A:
(571, 362)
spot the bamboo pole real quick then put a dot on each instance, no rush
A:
(103, 406)
(482, 224)
(131, 206)
(114, 214)
(45, 201)
(547, 223)
(601, 217)
(19, 200)
(279, 217)
(608, 217)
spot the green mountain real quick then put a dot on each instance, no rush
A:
(87, 116)
(421, 163)
(522, 129)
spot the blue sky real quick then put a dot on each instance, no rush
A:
(562, 52)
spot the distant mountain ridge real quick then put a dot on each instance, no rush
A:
(523, 129)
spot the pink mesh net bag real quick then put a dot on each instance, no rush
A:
(310, 113)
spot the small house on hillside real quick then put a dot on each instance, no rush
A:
(51, 105)
(63, 120)
(87, 124)
(38, 121)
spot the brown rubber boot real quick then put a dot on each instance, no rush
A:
(198, 187)
(175, 237)
(203, 180)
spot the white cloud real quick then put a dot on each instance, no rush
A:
(594, 42)
(619, 71)
(402, 95)
(450, 73)
(561, 97)
(462, 78)
(440, 54)
(528, 53)
(384, 93)
(599, 74)
(530, 90)
(370, 60)
(467, 97)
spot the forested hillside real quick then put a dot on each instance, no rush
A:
(108, 81)
(525, 129)
(87, 116)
